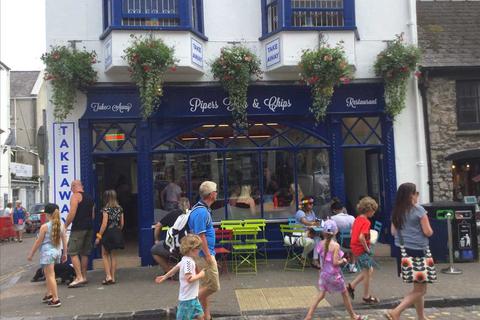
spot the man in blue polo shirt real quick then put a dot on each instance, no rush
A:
(200, 223)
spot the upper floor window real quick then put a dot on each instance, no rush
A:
(307, 15)
(468, 105)
(153, 15)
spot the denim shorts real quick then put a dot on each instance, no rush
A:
(189, 309)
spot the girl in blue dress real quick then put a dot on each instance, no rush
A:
(50, 237)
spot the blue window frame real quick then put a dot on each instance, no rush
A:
(279, 15)
(153, 15)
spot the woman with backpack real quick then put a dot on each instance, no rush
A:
(111, 235)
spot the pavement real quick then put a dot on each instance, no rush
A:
(271, 294)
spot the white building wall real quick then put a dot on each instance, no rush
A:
(227, 21)
(4, 125)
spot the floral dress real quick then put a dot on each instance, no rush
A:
(331, 277)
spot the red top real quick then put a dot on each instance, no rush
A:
(360, 225)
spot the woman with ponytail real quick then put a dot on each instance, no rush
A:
(50, 236)
(331, 277)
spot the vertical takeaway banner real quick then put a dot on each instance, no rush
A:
(63, 164)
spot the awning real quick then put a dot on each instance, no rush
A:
(462, 155)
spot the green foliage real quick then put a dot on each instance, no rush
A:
(234, 69)
(149, 59)
(394, 65)
(322, 70)
(68, 70)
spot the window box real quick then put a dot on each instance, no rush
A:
(174, 15)
(468, 105)
(298, 15)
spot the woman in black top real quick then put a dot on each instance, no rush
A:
(110, 235)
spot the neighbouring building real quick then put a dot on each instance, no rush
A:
(358, 150)
(26, 104)
(5, 196)
(449, 35)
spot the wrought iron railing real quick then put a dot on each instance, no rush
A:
(153, 14)
(307, 14)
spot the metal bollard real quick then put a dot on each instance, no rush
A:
(451, 269)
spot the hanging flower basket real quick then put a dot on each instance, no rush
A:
(234, 69)
(394, 65)
(68, 70)
(322, 70)
(149, 59)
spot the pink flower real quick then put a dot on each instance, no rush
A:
(173, 69)
(418, 74)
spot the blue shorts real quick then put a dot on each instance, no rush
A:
(50, 256)
(365, 261)
(189, 309)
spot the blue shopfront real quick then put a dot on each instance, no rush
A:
(282, 156)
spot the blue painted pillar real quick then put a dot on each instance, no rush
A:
(390, 175)
(337, 176)
(145, 194)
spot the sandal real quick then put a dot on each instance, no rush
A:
(370, 300)
(75, 285)
(351, 291)
(106, 282)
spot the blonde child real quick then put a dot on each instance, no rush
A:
(189, 306)
(331, 277)
(360, 245)
(48, 240)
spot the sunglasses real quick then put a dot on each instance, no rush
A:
(309, 201)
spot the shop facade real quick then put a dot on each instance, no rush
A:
(282, 156)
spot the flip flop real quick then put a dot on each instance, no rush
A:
(370, 300)
(106, 282)
(75, 285)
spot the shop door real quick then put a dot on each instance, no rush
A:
(120, 174)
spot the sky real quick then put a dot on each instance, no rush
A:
(22, 34)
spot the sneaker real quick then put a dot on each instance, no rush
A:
(46, 298)
(352, 268)
(54, 304)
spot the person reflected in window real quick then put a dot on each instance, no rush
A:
(234, 196)
(306, 216)
(292, 191)
(245, 199)
(270, 185)
(170, 195)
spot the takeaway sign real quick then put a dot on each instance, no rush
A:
(63, 164)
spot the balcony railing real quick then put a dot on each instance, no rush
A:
(153, 15)
(281, 15)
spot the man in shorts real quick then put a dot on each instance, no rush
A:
(201, 223)
(160, 252)
(80, 243)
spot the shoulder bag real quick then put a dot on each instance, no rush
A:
(417, 269)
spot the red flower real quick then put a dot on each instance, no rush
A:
(429, 262)
(404, 69)
(345, 80)
(420, 277)
(173, 69)
(418, 74)
(406, 263)
(146, 68)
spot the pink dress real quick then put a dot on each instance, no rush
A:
(331, 277)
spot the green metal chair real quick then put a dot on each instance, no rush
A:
(292, 235)
(245, 253)
(230, 225)
(261, 241)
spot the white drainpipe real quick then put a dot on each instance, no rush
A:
(422, 186)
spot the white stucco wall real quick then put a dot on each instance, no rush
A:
(4, 125)
(226, 21)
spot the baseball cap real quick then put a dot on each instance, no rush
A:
(330, 226)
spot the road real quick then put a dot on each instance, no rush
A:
(13, 261)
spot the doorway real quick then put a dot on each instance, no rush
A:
(120, 174)
(364, 177)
